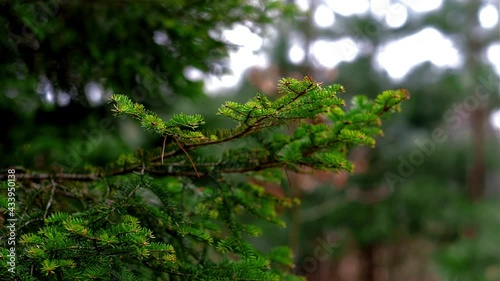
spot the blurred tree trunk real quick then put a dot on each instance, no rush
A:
(369, 268)
(477, 173)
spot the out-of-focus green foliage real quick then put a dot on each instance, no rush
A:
(140, 48)
(56, 54)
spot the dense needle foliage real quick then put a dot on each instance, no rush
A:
(176, 213)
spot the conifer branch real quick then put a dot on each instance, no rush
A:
(389, 100)
(125, 221)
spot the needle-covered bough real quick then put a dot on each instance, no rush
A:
(176, 213)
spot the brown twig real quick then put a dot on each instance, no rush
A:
(50, 199)
(187, 154)
(163, 149)
(143, 170)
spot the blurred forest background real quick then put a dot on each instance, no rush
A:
(423, 205)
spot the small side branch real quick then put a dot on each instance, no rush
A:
(163, 149)
(187, 154)
(50, 199)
